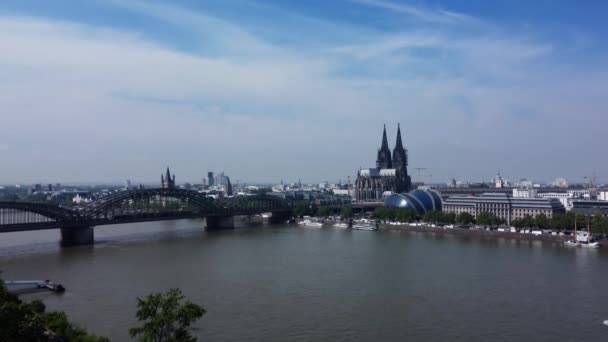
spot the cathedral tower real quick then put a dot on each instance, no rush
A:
(384, 154)
(404, 182)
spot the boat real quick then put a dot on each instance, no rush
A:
(583, 238)
(573, 243)
(340, 225)
(30, 286)
(587, 240)
(364, 225)
(309, 223)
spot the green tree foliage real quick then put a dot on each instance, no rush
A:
(21, 321)
(346, 212)
(324, 211)
(406, 214)
(465, 218)
(488, 219)
(542, 221)
(436, 216)
(300, 209)
(166, 317)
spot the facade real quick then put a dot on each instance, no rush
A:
(503, 206)
(421, 200)
(166, 182)
(524, 193)
(499, 183)
(602, 195)
(210, 179)
(589, 207)
(388, 177)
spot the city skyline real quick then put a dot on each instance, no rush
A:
(112, 90)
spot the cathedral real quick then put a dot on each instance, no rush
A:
(388, 177)
(166, 182)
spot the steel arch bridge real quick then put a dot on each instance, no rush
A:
(138, 205)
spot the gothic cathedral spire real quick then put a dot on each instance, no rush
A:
(384, 154)
(399, 144)
(400, 164)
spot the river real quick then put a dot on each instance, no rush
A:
(280, 283)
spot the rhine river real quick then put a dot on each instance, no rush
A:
(285, 283)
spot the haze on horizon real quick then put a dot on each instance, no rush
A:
(102, 91)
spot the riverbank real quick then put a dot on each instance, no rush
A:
(472, 232)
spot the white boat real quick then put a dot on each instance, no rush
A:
(363, 225)
(340, 225)
(573, 243)
(582, 239)
(309, 223)
(588, 239)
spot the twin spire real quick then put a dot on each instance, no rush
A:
(398, 144)
(385, 160)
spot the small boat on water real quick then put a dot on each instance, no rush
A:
(29, 286)
(310, 223)
(582, 239)
(340, 225)
(364, 225)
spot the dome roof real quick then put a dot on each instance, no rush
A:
(421, 200)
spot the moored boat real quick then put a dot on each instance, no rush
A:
(364, 225)
(310, 223)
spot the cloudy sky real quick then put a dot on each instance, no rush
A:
(270, 89)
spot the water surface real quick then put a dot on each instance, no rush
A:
(285, 283)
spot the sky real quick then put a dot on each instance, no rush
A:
(265, 90)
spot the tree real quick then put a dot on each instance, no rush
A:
(324, 211)
(166, 317)
(488, 219)
(406, 214)
(437, 216)
(542, 221)
(300, 209)
(346, 212)
(449, 218)
(22, 321)
(465, 218)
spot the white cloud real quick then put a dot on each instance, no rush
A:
(430, 15)
(101, 103)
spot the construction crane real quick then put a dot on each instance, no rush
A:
(592, 180)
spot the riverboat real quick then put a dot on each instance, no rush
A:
(364, 225)
(310, 223)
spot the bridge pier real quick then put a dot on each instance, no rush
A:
(279, 217)
(219, 222)
(76, 236)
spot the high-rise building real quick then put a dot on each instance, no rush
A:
(210, 180)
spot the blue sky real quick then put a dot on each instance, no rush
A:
(270, 90)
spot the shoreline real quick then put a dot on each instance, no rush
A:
(491, 234)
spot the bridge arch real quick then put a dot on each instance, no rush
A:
(13, 213)
(141, 202)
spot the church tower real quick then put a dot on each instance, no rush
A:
(384, 154)
(166, 182)
(404, 182)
